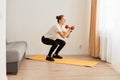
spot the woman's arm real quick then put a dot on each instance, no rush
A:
(65, 34)
(69, 34)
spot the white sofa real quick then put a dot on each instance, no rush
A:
(15, 52)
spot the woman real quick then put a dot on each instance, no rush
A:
(52, 37)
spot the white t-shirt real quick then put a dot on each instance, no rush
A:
(53, 32)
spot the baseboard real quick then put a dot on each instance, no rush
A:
(59, 53)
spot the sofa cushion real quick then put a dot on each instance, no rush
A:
(15, 51)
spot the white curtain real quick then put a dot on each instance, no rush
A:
(109, 24)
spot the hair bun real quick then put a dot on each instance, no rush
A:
(57, 17)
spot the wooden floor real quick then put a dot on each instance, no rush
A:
(37, 70)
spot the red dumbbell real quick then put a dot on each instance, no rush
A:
(72, 27)
(66, 26)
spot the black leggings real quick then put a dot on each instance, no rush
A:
(54, 44)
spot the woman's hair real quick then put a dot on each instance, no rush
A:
(59, 17)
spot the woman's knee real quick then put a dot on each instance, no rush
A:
(55, 44)
(60, 42)
(63, 43)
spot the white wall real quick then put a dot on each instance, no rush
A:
(28, 20)
(3, 40)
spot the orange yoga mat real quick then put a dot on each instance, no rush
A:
(66, 61)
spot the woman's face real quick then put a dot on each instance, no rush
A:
(63, 20)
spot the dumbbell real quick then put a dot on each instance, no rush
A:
(66, 26)
(72, 27)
